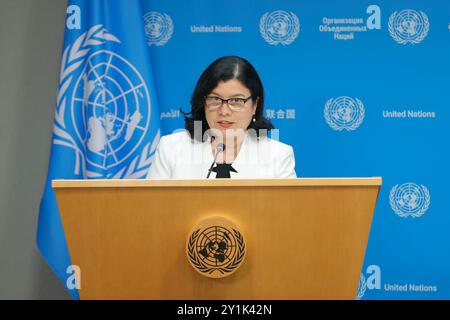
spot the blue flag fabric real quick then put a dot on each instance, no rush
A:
(106, 123)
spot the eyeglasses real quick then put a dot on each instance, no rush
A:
(235, 104)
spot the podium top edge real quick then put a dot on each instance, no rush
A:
(299, 182)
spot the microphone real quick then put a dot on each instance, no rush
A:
(219, 148)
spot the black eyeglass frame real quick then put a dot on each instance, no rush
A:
(226, 100)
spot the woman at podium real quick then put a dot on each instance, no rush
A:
(226, 133)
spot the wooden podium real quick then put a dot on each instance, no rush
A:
(305, 238)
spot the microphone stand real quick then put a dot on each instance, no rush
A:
(220, 147)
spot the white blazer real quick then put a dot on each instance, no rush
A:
(178, 157)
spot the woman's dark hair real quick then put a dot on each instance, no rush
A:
(224, 69)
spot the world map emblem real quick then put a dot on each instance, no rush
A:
(344, 113)
(158, 28)
(103, 110)
(279, 27)
(216, 247)
(408, 26)
(114, 104)
(409, 199)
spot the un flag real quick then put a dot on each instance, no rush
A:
(106, 122)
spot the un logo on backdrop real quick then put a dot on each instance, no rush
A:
(158, 28)
(279, 27)
(344, 113)
(409, 199)
(408, 26)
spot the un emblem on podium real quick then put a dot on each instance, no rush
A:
(216, 247)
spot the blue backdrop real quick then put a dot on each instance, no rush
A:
(358, 88)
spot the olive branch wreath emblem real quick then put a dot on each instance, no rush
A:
(420, 37)
(268, 38)
(73, 58)
(333, 125)
(168, 34)
(398, 210)
(200, 266)
(361, 287)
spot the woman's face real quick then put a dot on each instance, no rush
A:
(224, 118)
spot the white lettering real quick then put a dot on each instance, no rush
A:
(344, 36)
(374, 278)
(214, 28)
(410, 287)
(194, 310)
(374, 20)
(74, 280)
(73, 20)
(409, 114)
(395, 287)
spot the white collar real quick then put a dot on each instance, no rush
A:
(208, 155)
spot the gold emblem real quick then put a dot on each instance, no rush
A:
(216, 247)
